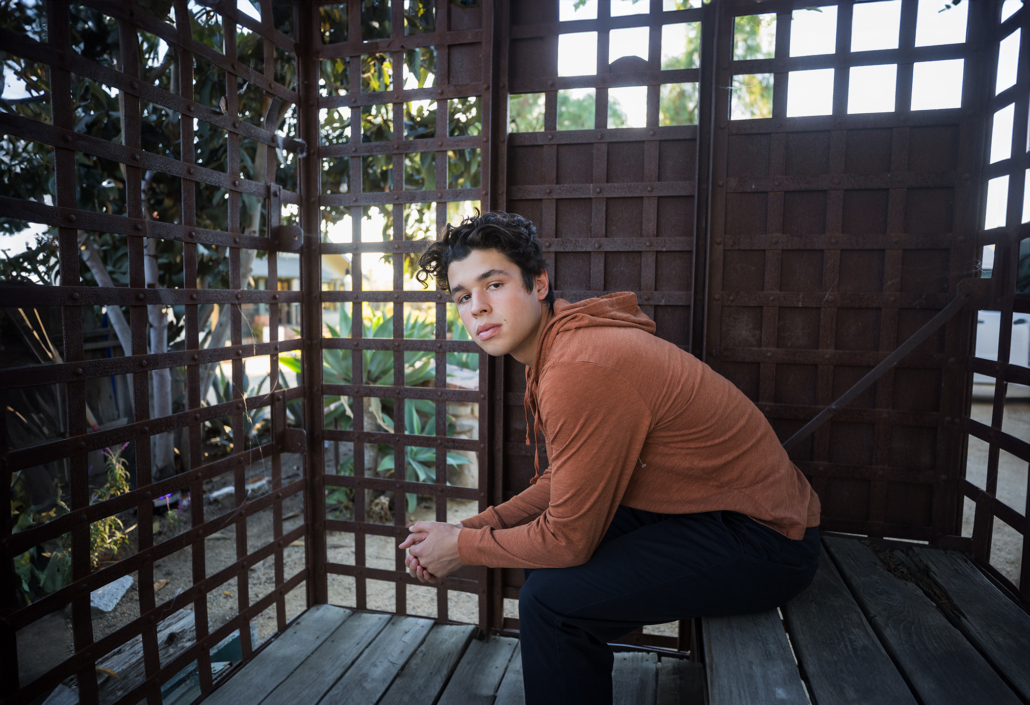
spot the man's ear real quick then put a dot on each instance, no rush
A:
(542, 283)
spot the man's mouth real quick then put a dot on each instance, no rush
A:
(488, 331)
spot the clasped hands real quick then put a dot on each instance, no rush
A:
(432, 550)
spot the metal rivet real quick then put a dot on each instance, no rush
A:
(833, 241)
(600, 135)
(143, 363)
(75, 297)
(722, 126)
(235, 182)
(597, 190)
(597, 245)
(235, 124)
(278, 397)
(721, 182)
(147, 495)
(731, 297)
(71, 219)
(776, 183)
(895, 241)
(716, 297)
(193, 234)
(193, 297)
(139, 297)
(275, 297)
(191, 170)
(718, 241)
(829, 299)
(547, 190)
(650, 132)
(146, 429)
(78, 371)
(768, 354)
(550, 137)
(137, 227)
(772, 298)
(239, 295)
(776, 241)
(239, 406)
(82, 444)
(195, 358)
(236, 240)
(136, 157)
(547, 245)
(650, 188)
(66, 138)
(189, 107)
(135, 84)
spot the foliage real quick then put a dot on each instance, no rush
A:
(46, 568)
(27, 168)
(469, 360)
(377, 369)
(108, 535)
(256, 422)
(418, 461)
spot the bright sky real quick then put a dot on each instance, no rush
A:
(871, 88)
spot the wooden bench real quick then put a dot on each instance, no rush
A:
(883, 622)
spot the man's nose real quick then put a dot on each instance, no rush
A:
(479, 303)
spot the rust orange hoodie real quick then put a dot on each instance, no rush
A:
(631, 419)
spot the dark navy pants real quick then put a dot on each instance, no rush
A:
(649, 569)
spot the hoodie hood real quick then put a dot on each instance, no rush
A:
(618, 310)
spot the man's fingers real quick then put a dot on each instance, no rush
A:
(408, 541)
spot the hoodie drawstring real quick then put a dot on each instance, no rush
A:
(529, 405)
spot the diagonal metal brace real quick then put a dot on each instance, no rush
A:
(888, 362)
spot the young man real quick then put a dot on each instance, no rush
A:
(667, 494)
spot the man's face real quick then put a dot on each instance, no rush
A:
(499, 314)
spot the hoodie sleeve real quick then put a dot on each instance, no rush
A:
(520, 509)
(597, 423)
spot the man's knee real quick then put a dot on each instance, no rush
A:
(535, 595)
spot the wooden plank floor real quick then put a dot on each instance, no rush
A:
(883, 623)
(335, 655)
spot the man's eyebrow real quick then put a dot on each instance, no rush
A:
(485, 275)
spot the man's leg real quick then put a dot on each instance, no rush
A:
(649, 569)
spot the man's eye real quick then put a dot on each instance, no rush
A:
(463, 298)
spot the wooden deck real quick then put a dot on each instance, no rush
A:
(335, 655)
(883, 623)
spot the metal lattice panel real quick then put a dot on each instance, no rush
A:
(460, 41)
(834, 238)
(144, 297)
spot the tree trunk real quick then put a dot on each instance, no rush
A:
(221, 331)
(91, 257)
(162, 445)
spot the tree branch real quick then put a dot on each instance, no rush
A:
(91, 257)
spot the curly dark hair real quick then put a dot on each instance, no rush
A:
(508, 233)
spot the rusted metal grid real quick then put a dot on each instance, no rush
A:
(833, 239)
(617, 208)
(462, 42)
(1002, 296)
(76, 371)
